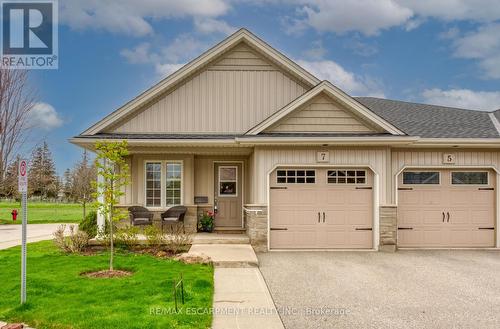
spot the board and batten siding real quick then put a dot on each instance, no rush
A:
(321, 114)
(228, 97)
(265, 159)
(434, 158)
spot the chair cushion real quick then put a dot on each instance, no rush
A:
(171, 219)
(141, 219)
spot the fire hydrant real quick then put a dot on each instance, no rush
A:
(14, 214)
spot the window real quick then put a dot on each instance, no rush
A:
(163, 183)
(173, 183)
(298, 176)
(153, 184)
(228, 181)
(349, 176)
(421, 177)
(469, 178)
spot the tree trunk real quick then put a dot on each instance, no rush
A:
(84, 210)
(110, 218)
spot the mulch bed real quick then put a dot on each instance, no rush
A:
(107, 274)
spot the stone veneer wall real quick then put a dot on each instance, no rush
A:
(388, 228)
(256, 226)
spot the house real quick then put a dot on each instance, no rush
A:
(299, 164)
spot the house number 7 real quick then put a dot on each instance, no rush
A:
(323, 156)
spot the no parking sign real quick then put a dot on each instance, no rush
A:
(23, 176)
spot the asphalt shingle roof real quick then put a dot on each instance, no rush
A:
(432, 121)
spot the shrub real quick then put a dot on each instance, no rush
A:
(75, 242)
(177, 239)
(154, 237)
(126, 237)
(89, 224)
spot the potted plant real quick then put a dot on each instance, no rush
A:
(206, 222)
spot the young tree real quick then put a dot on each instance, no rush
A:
(112, 167)
(16, 104)
(42, 174)
(83, 176)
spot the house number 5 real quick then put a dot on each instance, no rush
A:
(323, 156)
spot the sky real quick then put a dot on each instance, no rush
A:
(444, 52)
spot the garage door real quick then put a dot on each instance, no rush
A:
(446, 208)
(321, 208)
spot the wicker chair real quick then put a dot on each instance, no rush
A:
(174, 215)
(140, 216)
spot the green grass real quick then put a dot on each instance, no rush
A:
(42, 212)
(58, 297)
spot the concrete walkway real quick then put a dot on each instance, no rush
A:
(241, 297)
(10, 235)
(242, 300)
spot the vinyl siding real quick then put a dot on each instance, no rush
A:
(267, 158)
(434, 158)
(230, 96)
(321, 114)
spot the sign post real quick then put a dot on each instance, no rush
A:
(23, 189)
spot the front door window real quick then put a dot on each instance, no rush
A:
(228, 181)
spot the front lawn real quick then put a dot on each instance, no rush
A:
(58, 297)
(42, 212)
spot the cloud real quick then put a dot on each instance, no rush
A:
(463, 98)
(361, 48)
(347, 81)
(166, 59)
(449, 10)
(366, 16)
(132, 17)
(209, 25)
(44, 116)
(316, 51)
(483, 45)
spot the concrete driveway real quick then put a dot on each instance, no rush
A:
(10, 235)
(407, 289)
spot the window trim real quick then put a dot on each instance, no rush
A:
(163, 183)
(347, 169)
(297, 169)
(166, 162)
(419, 171)
(219, 181)
(467, 171)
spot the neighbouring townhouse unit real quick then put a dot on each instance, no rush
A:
(297, 163)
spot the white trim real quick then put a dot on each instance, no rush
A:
(335, 93)
(376, 201)
(163, 182)
(197, 63)
(242, 163)
(236, 181)
(495, 122)
(497, 199)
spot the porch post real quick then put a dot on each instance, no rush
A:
(100, 198)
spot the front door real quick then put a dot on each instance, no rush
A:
(228, 194)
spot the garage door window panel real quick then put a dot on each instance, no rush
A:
(469, 178)
(296, 176)
(348, 176)
(421, 178)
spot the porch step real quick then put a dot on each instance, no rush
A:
(231, 255)
(229, 230)
(218, 238)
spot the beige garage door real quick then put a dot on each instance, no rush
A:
(321, 208)
(446, 208)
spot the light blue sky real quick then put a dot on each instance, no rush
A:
(442, 52)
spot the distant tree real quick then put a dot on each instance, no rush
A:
(67, 184)
(42, 173)
(84, 176)
(9, 184)
(16, 102)
(111, 165)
